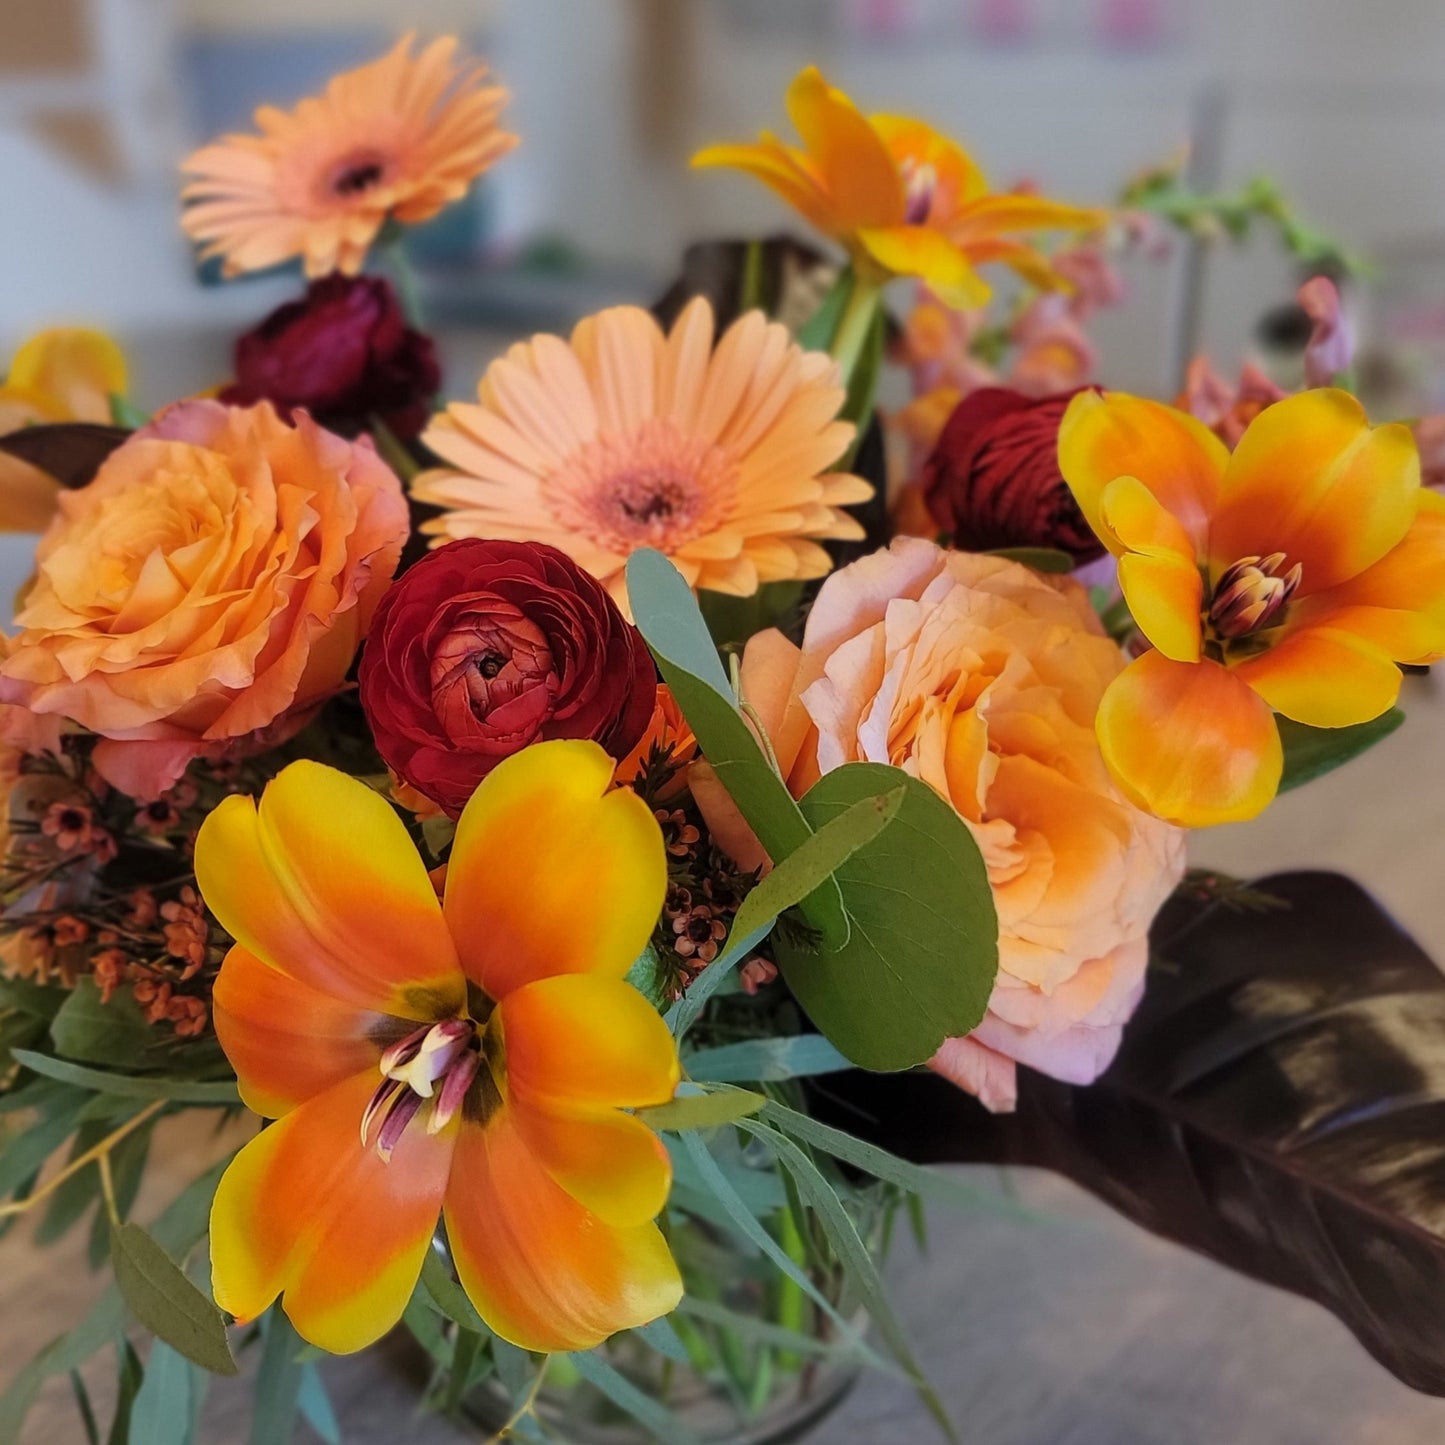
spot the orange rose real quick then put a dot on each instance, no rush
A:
(211, 584)
(982, 678)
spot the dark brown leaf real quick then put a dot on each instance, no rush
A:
(69, 451)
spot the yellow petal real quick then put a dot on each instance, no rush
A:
(307, 1210)
(1157, 573)
(1189, 742)
(772, 163)
(77, 369)
(858, 173)
(927, 254)
(1179, 460)
(323, 883)
(551, 873)
(1324, 676)
(1312, 479)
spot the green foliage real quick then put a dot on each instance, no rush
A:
(768, 1059)
(1041, 559)
(130, 1086)
(628, 1398)
(702, 1110)
(167, 1406)
(1310, 753)
(278, 1381)
(93, 1032)
(315, 1405)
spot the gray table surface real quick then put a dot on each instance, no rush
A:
(1077, 1330)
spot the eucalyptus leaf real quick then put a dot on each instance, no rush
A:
(23, 1153)
(93, 1032)
(130, 1378)
(766, 1060)
(702, 1110)
(450, 1298)
(315, 1405)
(167, 1303)
(129, 1086)
(661, 1336)
(168, 1401)
(278, 1382)
(631, 1401)
(1310, 753)
(920, 963)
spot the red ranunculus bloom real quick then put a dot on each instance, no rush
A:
(345, 354)
(484, 647)
(993, 479)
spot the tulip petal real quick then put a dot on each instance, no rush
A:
(959, 175)
(857, 169)
(612, 1164)
(927, 254)
(1190, 742)
(1110, 435)
(323, 883)
(307, 1211)
(1312, 479)
(1157, 572)
(77, 370)
(551, 873)
(287, 1041)
(1324, 676)
(771, 163)
(580, 1041)
(1010, 211)
(545, 1273)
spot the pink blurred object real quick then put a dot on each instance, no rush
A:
(1430, 438)
(1003, 19)
(1331, 346)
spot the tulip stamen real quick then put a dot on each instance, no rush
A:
(1251, 595)
(436, 1061)
(920, 181)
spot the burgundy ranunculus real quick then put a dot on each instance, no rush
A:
(483, 647)
(993, 479)
(345, 354)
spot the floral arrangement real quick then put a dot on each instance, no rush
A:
(517, 804)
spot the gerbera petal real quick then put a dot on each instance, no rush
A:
(580, 1041)
(1312, 479)
(1324, 676)
(925, 253)
(612, 1164)
(859, 173)
(287, 1041)
(1189, 741)
(323, 883)
(1110, 435)
(307, 1211)
(544, 1272)
(551, 873)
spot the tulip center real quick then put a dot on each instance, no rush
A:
(920, 181)
(437, 1062)
(1251, 596)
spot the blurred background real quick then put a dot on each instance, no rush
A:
(1341, 102)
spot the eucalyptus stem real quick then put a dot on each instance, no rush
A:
(404, 275)
(527, 1405)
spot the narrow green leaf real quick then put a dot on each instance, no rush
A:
(87, 1410)
(631, 1401)
(129, 1086)
(660, 1336)
(515, 1368)
(132, 1375)
(421, 1317)
(817, 332)
(451, 1299)
(71, 1200)
(167, 1303)
(766, 1060)
(277, 1392)
(853, 1254)
(93, 1032)
(688, 1009)
(1310, 753)
(702, 1110)
(862, 378)
(24, 1153)
(668, 617)
(465, 1351)
(41, 1000)
(168, 1401)
(647, 976)
(1041, 559)
(315, 1405)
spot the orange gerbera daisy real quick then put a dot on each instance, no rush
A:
(903, 199)
(1289, 576)
(399, 139)
(629, 438)
(470, 1058)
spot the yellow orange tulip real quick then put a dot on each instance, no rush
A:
(470, 1058)
(903, 199)
(1290, 576)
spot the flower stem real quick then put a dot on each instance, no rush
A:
(406, 283)
(526, 1407)
(855, 326)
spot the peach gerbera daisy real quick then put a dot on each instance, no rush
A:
(401, 138)
(627, 438)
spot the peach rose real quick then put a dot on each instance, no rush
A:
(982, 678)
(210, 586)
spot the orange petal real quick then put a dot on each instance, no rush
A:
(544, 1272)
(307, 1210)
(1312, 479)
(551, 873)
(1157, 573)
(612, 1164)
(857, 169)
(1189, 742)
(927, 254)
(1103, 437)
(289, 1042)
(1324, 676)
(774, 165)
(1012, 211)
(29, 498)
(323, 883)
(959, 175)
(76, 369)
(585, 1042)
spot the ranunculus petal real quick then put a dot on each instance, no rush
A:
(544, 1272)
(287, 1041)
(580, 1041)
(1189, 741)
(307, 1210)
(1324, 676)
(551, 873)
(1312, 479)
(323, 883)
(1111, 435)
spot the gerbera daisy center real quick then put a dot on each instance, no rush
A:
(356, 175)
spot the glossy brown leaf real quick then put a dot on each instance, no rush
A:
(70, 451)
